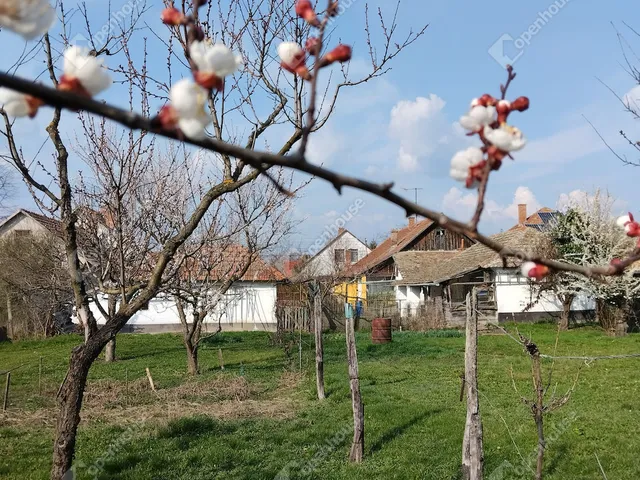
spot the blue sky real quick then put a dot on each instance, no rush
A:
(403, 126)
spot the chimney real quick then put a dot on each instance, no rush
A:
(341, 231)
(412, 221)
(522, 213)
(394, 236)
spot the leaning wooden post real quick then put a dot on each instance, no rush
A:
(317, 321)
(6, 392)
(357, 447)
(153, 387)
(472, 450)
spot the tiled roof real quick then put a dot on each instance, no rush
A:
(390, 247)
(53, 225)
(416, 266)
(478, 256)
(231, 260)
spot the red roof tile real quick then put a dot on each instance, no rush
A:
(398, 240)
(229, 261)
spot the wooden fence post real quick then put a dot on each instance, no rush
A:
(357, 447)
(317, 320)
(6, 392)
(472, 449)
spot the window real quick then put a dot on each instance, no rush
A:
(22, 233)
(339, 256)
(353, 255)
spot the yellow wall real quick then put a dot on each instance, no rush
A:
(350, 290)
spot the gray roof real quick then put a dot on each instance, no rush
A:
(416, 266)
(477, 257)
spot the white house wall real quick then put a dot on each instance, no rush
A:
(323, 264)
(247, 306)
(514, 293)
(22, 222)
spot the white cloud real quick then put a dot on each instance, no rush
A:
(406, 161)
(325, 145)
(422, 131)
(461, 205)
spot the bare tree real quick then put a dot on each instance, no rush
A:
(251, 27)
(226, 249)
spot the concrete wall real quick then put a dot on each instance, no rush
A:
(247, 306)
(514, 293)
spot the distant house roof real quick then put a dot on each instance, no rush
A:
(51, 224)
(543, 220)
(228, 261)
(302, 275)
(480, 257)
(416, 266)
(397, 242)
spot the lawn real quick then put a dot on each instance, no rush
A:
(258, 418)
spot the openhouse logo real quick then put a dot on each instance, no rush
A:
(508, 49)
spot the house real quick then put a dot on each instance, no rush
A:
(504, 292)
(338, 255)
(379, 267)
(24, 222)
(250, 303)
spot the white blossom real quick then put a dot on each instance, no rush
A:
(506, 138)
(526, 268)
(15, 104)
(478, 117)
(216, 59)
(462, 161)
(88, 70)
(189, 101)
(290, 53)
(29, 18)
(624, 221)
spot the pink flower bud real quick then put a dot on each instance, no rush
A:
(172, 16)
(72, 84)
(520, 104)
(630, 226)
(342, 53)
(304, 10)
(167, 118)
(534, 270)
(208, 80)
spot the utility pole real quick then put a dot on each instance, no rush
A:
(415, 189)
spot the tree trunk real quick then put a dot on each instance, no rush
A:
(317, 319)
(567, 301)
(192, 357)
(472, 449)
(70, 402)
(110, 351)
(357, 447)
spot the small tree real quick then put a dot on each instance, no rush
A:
(587, 235)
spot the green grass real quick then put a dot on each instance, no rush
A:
(414, 419)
